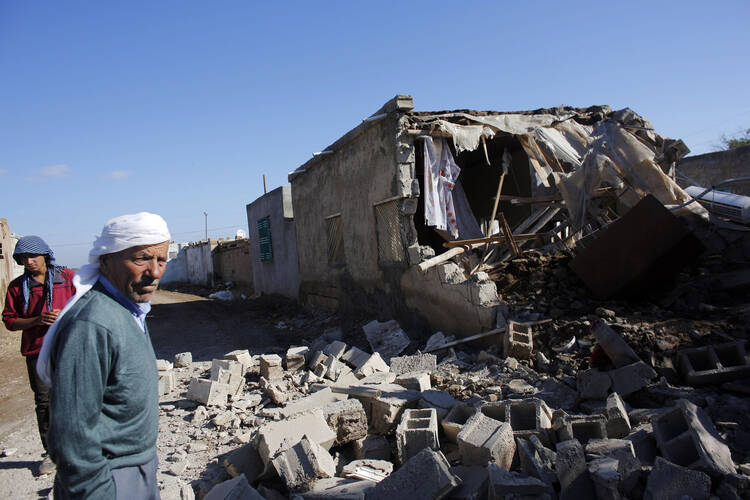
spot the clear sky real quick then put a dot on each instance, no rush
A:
(180, 107)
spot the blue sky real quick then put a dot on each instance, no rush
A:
(180, 107)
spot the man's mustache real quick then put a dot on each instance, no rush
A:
(145, 281)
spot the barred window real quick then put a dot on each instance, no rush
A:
(264, 239)
(335, 239)
(390, 247)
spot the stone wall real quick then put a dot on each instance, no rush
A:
(710, 168)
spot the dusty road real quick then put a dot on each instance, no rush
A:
(178, 322)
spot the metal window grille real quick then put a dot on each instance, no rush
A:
(390, 247)
(264, 239)
(335, 239)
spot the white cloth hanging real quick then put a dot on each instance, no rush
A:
(440, 175)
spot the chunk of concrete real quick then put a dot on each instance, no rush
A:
(628, 465)
(372, 446)
(355, 357)
(668, 481)
(335, 488)
(455, 420)
(234, 489)
(347, 419)
(274, 437)
(613, 345)
(270, 367)
(418, 430)
(244, 460)
(644, 443)
(167, 382)
(483, 439)
(416, 363)
(572, 471)
(373, 365)
(426, 475)
(631, 378)
(509, 485)
(335, 349)
(243, 357)
(209, 392)
(606, 478)
(303, 462)
(593, 384)
(418, 381)
(687, 437)
(580, 427)
(163, 365)
(317, 399)
(517, 340)
(228, 372)
(296, 358)
(386, 338)
(368, 470)
(714, 364)
(183, 360)
(441, 401)
(535, 463)
(618, 423)
(385, 410)
(474, 483)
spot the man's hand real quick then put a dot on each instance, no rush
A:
(48, 317)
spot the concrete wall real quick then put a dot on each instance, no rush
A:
(9, 270)
(710, 168)
(280, 275)
(200, 269)
(373, 166)
(231, 262)
(176, 270)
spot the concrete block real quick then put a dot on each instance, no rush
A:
(347, 419)
(270, 367)
(386, 338)
(209, 392)
(335, 488)
(296, 358)
(317, 399)
(644, 443)
(373, 365)
(441, 401)
(355, 357)
(534, 462)
(714, 364)
(526, 417)
(426, 475)
(509, 485)
(593, 384)
(244, 460)
(417, 430)
(631, 378)
(417, 363)
(278, 436)
(386, 409)
(163, 365)
(580, 427)
(242, 356)
(234, 489)
(367, 469)
(517, 341)
(378, 378)
(618, 423)
(606, 478)
(183, 360)
(418, 381)
(474, 483)
(372, 446)
(613, 345)
(335, 349)
(167, 382)
(455, 420)
(687, 437)
(572, 471)
(628, 465)
(483, 439)
(303, 462)
(334, 368)
(234, 373)
(668, 481)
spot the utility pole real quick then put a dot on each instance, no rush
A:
(206, 225)
(264, 184)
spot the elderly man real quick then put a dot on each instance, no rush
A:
(98, 355)
(32, 304)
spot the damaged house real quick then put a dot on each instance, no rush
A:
(412, 214)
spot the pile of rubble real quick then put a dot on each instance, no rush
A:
(333, 421)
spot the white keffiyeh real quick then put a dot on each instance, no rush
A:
(120, 233)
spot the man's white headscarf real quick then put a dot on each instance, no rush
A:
(120, 233)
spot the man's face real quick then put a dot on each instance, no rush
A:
(33, 263)
(135, 272)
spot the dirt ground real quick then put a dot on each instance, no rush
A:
(178, 322)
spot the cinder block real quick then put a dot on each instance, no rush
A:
(517, 341)
(234, 373)
(244, 460)
(418, 381)
(455, 420)
(509, 485)
(631, 378)
(714, 364)
(526, 417)
(417, 431)
(668, 481)
(426, 475)
(303, 462)
(163, 365)
(183, 360)
(355, 357)
(535, 462)
(614, 346)
(167, 382)
(572, 471)
(234, 489)
(317, 399)
(386, 409)
(618, 423)
(593, 384)
(242, 356)
(687, 437)
(580, 427)
(483, 439)
(277, 436)
(644, 443)
(270, 367)
(372, 446)
(474, 483)
(621, 450)
(606, 478)
(440, 400)
(347, 419)
(335, 349)
(373, 364)
(296, 357)
(415, 363)
(333, 368)
(209, 392)
(330, 488)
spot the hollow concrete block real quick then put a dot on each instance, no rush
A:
(303, 462)
(416, 431)
(483, 439)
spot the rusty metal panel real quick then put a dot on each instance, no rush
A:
(637, 252)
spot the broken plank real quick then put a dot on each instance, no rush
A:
(467, 339)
